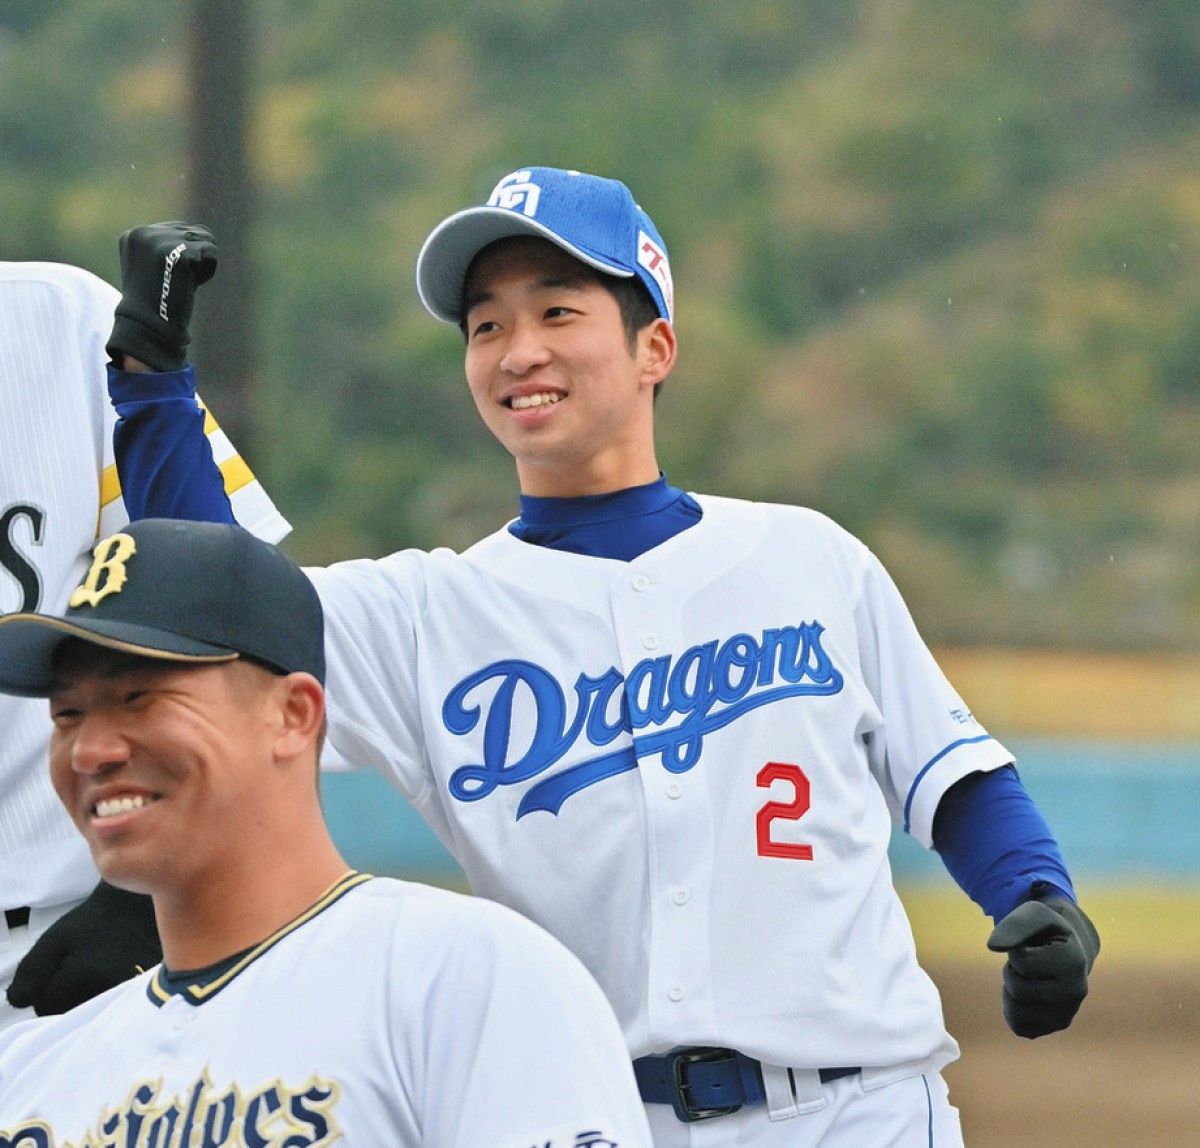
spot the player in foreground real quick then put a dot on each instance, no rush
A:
(58, 491)
(674, 729)
(299, 1002)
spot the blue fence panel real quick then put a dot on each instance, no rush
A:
(1120, 812)
(377, 830)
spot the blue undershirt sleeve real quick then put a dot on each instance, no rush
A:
(995, 843)
(163, 456)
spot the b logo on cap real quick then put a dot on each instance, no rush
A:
(516, 193)
(108, 563)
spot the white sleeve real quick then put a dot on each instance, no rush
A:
(929, 738)
(370, 651)
(521, 1046)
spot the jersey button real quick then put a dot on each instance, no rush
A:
(641, 582)
(650, 641)
(675, 992)
(674, 790)
(680, 895)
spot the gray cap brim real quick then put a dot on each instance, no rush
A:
(447, 254)
(28, 643)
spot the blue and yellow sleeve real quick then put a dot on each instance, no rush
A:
(164, 455)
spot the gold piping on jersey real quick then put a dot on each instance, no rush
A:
(197, 994)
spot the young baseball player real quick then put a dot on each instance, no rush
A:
(676, 730)
(299, 1003)
(58, 491)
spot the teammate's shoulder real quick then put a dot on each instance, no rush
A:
(65, 275)
(778, 516)
(434, 918)
(28, 1038)
(406, 570)
(77, 285)
(417, 898)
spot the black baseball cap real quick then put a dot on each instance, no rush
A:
(190, 592)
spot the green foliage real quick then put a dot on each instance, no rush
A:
(935, 262)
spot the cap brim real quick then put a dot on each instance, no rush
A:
(446, 255)
(28, 643)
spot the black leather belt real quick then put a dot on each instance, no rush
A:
(16, 918)
(700, 1083)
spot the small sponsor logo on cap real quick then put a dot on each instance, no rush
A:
(654, 259)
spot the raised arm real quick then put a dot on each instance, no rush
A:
(163, 456)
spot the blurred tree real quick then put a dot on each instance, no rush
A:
(222, 195)
(935, 260)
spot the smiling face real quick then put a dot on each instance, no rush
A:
(553, 372)
(163, 769)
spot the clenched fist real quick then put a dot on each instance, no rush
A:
(162, 264)
(1051, 946)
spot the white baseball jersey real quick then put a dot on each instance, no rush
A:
(59, 492)
(389, 1015)
(722, 869)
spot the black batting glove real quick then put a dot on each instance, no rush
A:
(162, 264)
(1051, 946)
(107, 939)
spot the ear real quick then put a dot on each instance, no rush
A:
(656, 345)
(302, 713)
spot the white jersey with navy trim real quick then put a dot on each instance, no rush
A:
(389, 1015)
(59, 493)
(722, 869)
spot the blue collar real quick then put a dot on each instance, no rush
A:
(621, 525)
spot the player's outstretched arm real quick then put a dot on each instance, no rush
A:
(163, 456)
(107, 939)
(162, 264)
(1051, 945)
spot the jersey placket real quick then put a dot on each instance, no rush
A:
(679, 821)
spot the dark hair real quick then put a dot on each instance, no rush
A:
(637, 307)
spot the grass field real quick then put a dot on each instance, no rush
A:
(1138, 924)
(1049, 693)
(1124, 1074)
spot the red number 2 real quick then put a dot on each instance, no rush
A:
(786, 810)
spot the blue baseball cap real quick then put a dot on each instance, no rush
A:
(594, 219)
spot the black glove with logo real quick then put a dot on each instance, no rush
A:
(162, 264)
(107, 939)
(1051, 946)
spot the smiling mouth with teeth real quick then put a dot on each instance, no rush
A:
(526, 402)
(112, 806)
